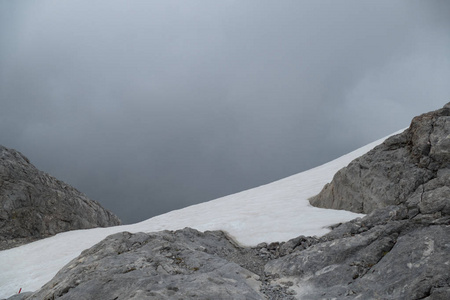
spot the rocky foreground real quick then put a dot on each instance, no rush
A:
(400, 250)
(35, 205)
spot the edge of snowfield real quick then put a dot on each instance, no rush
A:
(278, 211)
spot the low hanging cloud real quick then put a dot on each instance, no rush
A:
(152, 106)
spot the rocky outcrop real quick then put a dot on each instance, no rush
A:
(404, 167)
(400, 250)
(164, 265)
(385, 255)
(35, 205)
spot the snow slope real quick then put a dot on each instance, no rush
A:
(277, 211)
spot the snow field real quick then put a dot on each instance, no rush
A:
(277, 211)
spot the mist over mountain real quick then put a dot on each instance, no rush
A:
(150, 106)
(399, 250)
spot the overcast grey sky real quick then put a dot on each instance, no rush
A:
(150, 106)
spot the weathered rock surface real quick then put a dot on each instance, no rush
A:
(389, 174)
(400, 250)
(164, 265)
(35, 205)
(385, 255)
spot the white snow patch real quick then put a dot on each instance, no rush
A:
(278, 211)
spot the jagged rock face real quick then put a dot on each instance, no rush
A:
(164, 265)
(35, 205)
(385, 255)
(405, 166)
(401, 249)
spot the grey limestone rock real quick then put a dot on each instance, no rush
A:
(35, 205)
(164, 265)
(392, 261)
(393, 171)
(401, 249)
(185, 264)
(388, 254)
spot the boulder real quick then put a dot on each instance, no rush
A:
(395, 170)
(163, 265)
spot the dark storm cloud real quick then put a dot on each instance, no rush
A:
(149, 106)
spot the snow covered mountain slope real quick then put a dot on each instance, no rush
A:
(277, 211)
